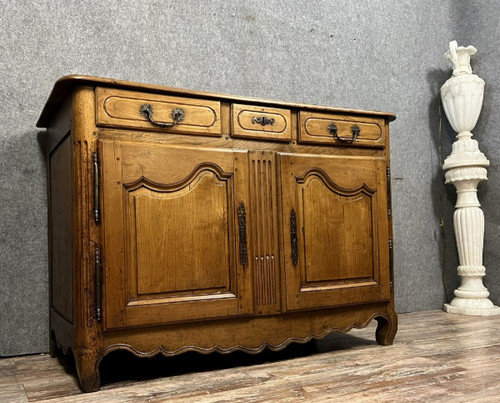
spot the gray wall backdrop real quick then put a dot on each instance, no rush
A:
(382, 55)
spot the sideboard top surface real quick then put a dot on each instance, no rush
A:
(63, 87)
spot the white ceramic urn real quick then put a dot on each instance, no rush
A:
(462, 97)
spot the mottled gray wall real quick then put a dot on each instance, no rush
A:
(384, 55)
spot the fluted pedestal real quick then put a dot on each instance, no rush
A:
(462, 97)
(471, 298)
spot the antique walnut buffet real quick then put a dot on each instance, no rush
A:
(191, 221)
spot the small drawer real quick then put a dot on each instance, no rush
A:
(340, 129)
(138, 110)
(261, 122)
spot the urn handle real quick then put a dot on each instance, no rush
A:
(177, 115)
(355, 130)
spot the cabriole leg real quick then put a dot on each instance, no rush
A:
(386, 329)
(87, 366)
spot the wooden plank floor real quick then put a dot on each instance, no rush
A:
(435, 357)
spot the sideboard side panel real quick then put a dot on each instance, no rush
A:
(61, 230)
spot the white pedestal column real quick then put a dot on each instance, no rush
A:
(462, 97)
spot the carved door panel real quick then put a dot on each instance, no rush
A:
(171, 239)
(335, 231)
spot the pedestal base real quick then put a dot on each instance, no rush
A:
(494, 310)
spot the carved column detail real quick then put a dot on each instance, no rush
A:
(462, 97)
(265, 234)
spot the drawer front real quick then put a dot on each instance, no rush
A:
(260, 122)
(125, 109)
(337, 129)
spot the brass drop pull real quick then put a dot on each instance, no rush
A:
(293, 238)
(355, 130)
(177, 115)
(263, 121)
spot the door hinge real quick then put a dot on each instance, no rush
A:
(391, 264)
(98, 284)
(95, 160)
(389, 195)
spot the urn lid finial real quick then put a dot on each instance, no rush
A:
(460, 57)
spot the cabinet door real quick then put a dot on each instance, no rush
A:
(335, 225)
(170, 239)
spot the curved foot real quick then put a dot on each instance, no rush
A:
(87, 366)
(386, 329)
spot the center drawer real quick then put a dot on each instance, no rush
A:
(261, 122)
(165, 113)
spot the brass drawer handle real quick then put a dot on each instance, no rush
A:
(177, 115)
(263, 121)
(355, 130)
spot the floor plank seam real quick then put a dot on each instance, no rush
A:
(435, 357)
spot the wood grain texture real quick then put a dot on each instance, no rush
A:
(248, 334)
(119, 108)
(236, 143)
(86, 235)
(261, 122)
(181, 265)
(436, 357)
(61, 226)
(59, 126)
(65, 85)
(314, 128)
(198, 206)
(264, 231)
(168, 258)
(351, 264)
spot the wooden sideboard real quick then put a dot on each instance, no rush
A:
(191, 221)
